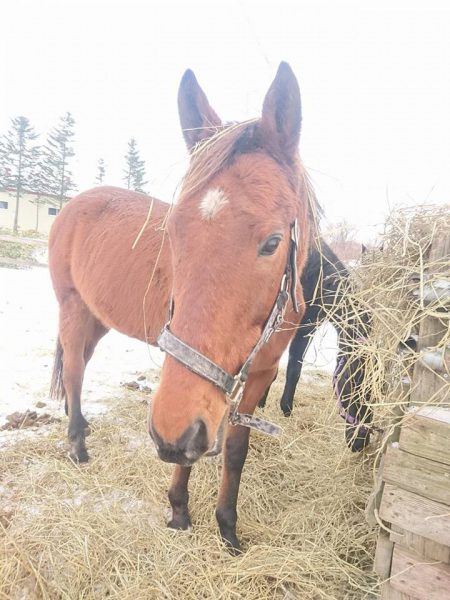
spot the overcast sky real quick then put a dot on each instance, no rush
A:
(374, 78)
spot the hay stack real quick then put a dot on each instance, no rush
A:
(389, 290)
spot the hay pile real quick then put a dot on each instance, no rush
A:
(387, 291)
(98, 531)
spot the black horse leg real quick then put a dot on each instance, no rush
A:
(297, 351)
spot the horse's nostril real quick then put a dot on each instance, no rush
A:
(192, 444)
(197, 440)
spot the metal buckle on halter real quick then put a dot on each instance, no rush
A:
(255, 423)
(237, 390)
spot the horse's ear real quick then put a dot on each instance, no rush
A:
(198, 120)
(282, 112)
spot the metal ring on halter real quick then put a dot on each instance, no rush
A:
(233, 387)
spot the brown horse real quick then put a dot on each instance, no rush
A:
(229, 264)
(101, 283)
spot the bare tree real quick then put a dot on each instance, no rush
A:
(341, 238)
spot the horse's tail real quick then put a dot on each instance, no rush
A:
(57, 389)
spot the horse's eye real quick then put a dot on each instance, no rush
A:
(270, 245)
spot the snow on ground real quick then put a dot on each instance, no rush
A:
(28, 328)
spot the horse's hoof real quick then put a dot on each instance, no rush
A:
(180, 521)
(180, 524)
(287, 411)
(80, 456)
(232, 545)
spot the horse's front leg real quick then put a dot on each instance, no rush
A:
(179, 498)
(235, 453)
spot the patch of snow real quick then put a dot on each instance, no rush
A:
(41, 255)
(321, 353)
(28, 325)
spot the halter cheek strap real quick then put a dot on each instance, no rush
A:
(233, 386)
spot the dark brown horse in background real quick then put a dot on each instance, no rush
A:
(230, 238)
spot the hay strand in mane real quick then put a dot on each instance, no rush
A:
(210, 156)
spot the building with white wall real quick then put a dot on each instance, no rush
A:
(35, 213)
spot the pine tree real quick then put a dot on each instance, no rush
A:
(17, 157)
(100, 172)
(134, 173)
(38, 184)
(57, 153)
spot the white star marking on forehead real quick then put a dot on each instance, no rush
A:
(212, 202)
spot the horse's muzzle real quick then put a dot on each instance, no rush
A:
(187, 449)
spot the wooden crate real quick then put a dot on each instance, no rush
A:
(413, 491)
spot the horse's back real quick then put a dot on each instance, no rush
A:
(91, 252)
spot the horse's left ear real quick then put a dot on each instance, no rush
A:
(198, 120)
(282, 113)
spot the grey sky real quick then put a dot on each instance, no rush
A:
(374, 77)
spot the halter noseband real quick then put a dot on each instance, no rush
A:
(233, 386)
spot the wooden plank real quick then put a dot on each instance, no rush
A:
(383, 555)
(427, 384)
(374, 500)
(438, 413)
(389, 593)
(429, 438)
(402, 391)
(411, 575)
(440, 251)
(419, 545)
(417, 514)
(416, 474)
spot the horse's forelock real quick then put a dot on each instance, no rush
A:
(220, 150)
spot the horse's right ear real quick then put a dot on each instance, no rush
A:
(198, 120)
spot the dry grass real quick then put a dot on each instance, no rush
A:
(388, 290)
(98, 531)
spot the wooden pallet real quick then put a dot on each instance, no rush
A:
(413, 491)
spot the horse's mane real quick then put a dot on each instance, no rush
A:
(217, 152)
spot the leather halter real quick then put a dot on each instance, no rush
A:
(233, 386)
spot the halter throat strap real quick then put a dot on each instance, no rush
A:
(233, 386)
